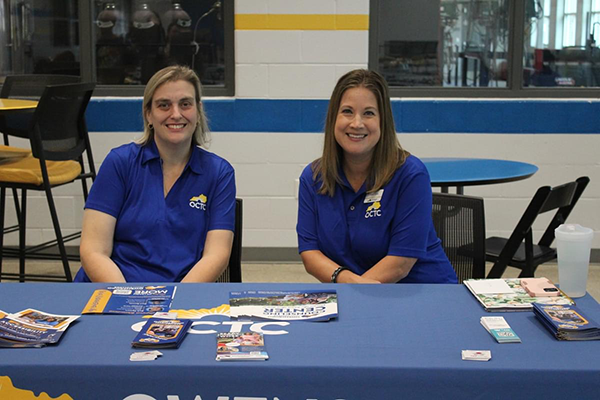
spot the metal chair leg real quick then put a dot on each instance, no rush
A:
(2, 205)
(22, 235)
(58, 233)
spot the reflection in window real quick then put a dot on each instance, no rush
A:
(39, 36)
(566, 55)
(453, 43)
(134, 39)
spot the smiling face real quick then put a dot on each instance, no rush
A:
(173, 114)
(357, 126)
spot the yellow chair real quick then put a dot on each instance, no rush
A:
(58, 138)
(24, 87)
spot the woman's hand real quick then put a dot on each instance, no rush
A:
(347, 276)
(322, 267)
(390, 269)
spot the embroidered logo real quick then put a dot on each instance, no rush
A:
(198, 202)
(373, 210)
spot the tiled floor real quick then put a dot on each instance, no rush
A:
(294, 272)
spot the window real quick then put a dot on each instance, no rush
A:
(595, 21)
(487, 48)
(569, 23)
(119, 44)
(568, 57)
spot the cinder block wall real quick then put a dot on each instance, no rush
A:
(327, 39)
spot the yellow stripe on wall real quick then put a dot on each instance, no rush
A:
(302, 22)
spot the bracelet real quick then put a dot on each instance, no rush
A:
(336, 273)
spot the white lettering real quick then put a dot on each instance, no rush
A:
(198, 205)
(139, 397)
(373, 213)
(249, 398)
(258, 328)
(236, 326)
(203, 332)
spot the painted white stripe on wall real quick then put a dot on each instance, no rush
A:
(268, 164)
(302, 6)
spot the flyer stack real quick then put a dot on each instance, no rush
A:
(567, 322)
(32, 328)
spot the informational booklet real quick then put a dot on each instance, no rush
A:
(160, 333)
(311, 305)
(567, 322)
(241, 346)
(508, 295)
(132, 299)
(500, 330)
(32, 328)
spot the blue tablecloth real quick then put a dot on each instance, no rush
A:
(389, 342)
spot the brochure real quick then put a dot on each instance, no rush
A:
(32, 328)
(508, 295)
(140, 299)
(241, 346)
(312, 305)
(41, 319)
(499, 329)
(160, 333)
(567, 322)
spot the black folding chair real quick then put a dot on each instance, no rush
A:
(25, 87)
(460, 224)
(233, 273)
(58, 137)
(518, 250)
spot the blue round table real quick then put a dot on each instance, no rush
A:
(459, 172)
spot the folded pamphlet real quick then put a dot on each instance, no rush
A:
(567, 322)
(159, 333)
(134, 299)
(32, 328)
(311, 305)
(241, 346)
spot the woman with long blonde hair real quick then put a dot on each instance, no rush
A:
(162, 209)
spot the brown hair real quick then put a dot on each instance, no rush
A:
(172, 74)
(388, 154)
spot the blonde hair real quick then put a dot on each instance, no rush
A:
(388, 154)
(172, 74)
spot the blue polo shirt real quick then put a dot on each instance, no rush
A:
(160, 239)
(358, 234)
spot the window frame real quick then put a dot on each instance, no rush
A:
(88, 66)
(514, 87)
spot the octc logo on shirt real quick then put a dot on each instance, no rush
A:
(198, 202)
(373, 210)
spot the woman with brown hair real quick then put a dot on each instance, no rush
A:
(364, 213)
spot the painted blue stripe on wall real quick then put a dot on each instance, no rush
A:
(411, 116)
